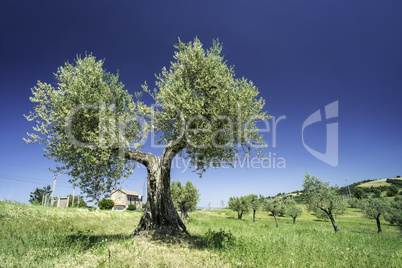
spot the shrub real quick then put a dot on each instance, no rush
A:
(218, 239)
(377, 193)
(355, 203)
(392, 190)
(106, 204)
(131, 207)
(144, 205)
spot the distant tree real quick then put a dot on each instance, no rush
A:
(184, 197)
(358, 193)
(36, 196)
(82, 203)
(319, 196)
(78, 202)
(373, 208)
(255, 204)
(398, 176)
(376, 193)
(292, 209)
(106, 204)
(240, 205)
(394, 213)
(392, 190)
(273, 205)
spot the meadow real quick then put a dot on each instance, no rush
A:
(35, 236)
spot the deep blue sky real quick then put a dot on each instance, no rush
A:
(302, 55)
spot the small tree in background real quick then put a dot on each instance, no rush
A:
(377, 193)
(185, 198)
(392, 191)
(255, 204)
(292, 209)
(394, 213)
(320, 197)
(373, 208)
(240, 205)
(106, 204)
(35, 197)
(358, 193)
(275, 206)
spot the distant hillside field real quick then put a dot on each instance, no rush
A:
(377, 183)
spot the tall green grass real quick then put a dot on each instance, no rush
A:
(34, 236)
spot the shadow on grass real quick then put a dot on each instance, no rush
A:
(213, 240)
(86, 240)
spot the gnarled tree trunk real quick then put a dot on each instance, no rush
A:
(239, 215)
(160, 213)
(331, 217)
(378, 224)
(276, 221)
(183, 213)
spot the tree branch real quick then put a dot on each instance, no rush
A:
(140, 157)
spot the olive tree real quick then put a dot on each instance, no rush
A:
(275, 206)
(322, 198)
(240, 205)
(373, 208)
(36, 196)
(184, 197)
(292, 209)
(95, 130)
(255, 203)
(394, 213)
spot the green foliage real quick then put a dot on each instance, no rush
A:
(373, 208)
(354, 203)
(292, 209)
(240, 205)
(184, 197)
(392, 191)
(131, 207)
(106, 204)
(395, 182)
(394, 213)
(320, 196)
(35, 197)
(200, 95)
(358, 193)
(274, 205)
(218, 239)
(144, 205)
(254, 201)
(377, 193)
(83, 121)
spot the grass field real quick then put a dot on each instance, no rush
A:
(377, 183)
(34, 236)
